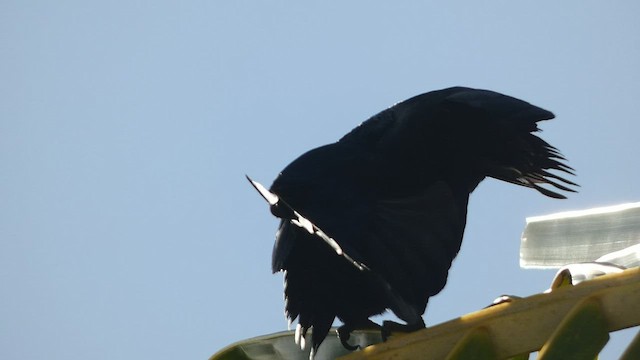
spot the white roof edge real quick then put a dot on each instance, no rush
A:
(576, 213)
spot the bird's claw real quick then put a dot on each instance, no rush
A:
(344, 333)
(389, 327)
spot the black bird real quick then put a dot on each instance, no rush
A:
(373, 221)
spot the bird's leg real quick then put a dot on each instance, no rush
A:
(344, 332)
(389, 327)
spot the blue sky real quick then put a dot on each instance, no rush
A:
(127, 229)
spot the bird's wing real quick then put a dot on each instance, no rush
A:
(411, 242)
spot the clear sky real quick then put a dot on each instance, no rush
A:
(127, 229)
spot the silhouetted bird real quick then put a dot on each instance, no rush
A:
(373, 221)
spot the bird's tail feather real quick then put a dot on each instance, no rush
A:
(529, 163)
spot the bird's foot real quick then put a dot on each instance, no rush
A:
(344, 332)
(389, 327)
(503, 299)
